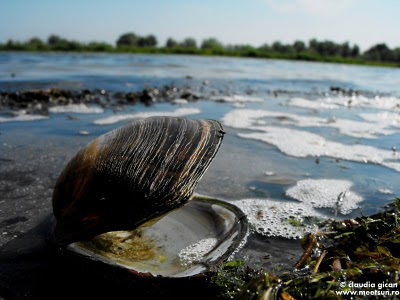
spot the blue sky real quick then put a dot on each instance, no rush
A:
(255, 22)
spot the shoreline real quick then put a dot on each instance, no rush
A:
(303, 57)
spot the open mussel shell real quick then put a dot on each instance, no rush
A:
(184, 243)
(132, 176)
(123, 201)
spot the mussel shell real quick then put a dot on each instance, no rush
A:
(132, 175)
(30, 269)
(185, 243)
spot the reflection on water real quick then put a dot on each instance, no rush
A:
(286, 122)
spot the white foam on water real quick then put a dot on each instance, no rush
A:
(195, 252)
(299, 143)
(252, 118)
(312, 104)
(271, 217)
(23, 117)
(239, 105)
(249, 118)
(180, 101)
(118, 118)
(386, 103)
(328, 193)
(236, 98)
(244, 118)
(385, 191)
(80, 108)
(333, 102)
(386, 119)
(276, 218)
(358, 129)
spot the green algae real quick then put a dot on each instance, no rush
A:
(351, 259)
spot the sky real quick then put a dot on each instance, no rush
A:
(255, 22)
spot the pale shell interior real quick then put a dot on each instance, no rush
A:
(184, 243)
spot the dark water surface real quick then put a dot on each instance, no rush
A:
(275, 114)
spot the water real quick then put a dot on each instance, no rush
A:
(284, 126)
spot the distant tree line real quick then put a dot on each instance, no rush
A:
(54, 43)
(131, 42)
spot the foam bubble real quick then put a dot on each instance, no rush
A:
(386, 103)
(359, 129)
(180, 101)
(23, 118)
(243, 118)
(239, 105)
(194, 253)
(80, 108)
(276, 218)
(312, 104)
(385, 191)
(331, 193)
(118, 118)
(249, 118)
(383, 103)
(387, 119)
(292, 219)
(310, 144)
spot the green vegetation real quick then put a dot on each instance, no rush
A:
(351, 259)
(314, 50)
